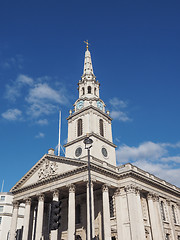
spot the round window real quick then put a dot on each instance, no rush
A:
(104, 152)
(78, 152)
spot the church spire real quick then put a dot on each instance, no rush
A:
(88, 68)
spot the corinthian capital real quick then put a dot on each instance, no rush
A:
(105, 188)
(72, 188)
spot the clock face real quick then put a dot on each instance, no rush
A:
(80, 105)
(100, 105)
(104, 152)
(78, 152)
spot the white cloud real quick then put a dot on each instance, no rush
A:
(163, 171)
(117, 103)
(146, 150)
(14, 90)
(13, 62)
(40, 135)
(41, 98)
(119, 115)
(12, 114)
(42, 91)
(23, 79)
(42, 122)
(116, 110)
(44, 100)
(175, 159)
(154, 158)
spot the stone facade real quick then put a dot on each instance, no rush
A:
(6, 208)
(127, 202)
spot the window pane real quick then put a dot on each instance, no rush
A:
(101, 127)
(1, 208)
(0, 220)
(162, 211)
(2, 198)
(79, 131)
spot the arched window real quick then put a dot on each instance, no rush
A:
(79, 127)
(111, 206)
(162, 210)
(78, 214)
(173, 213)
(94, 91)
(101, 127)
(83, 91)
(89, 89)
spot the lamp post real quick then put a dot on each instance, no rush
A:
(88, 144)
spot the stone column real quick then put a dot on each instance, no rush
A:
(31, 222)
(135, 213)
(119, 213)
(26, 219)
(92, 208)
(54, 233)
(106, 213)
(171, 222)
(14, 220)
(71, 213)
(40, 215)
(159, 217)
(156, 231)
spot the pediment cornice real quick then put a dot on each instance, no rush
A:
(112, 172)
(37, 166)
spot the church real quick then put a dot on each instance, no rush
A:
(99, 200)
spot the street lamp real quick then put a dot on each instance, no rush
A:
(88, 144)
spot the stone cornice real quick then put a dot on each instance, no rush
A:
(126, 172)
(90, 135)
(87, 109)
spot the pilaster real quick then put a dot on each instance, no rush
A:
(40, 216)
(135, 212)
(171, 223)
(71, 213)
(26, 219)
(14, 220)
(106, 212)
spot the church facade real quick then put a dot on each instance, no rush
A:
(127, 203)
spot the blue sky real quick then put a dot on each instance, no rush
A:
(136, 57)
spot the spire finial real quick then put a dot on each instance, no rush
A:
(87, 44)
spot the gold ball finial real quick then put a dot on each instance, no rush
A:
(87, 44)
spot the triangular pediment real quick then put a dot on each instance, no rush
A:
(48, 167)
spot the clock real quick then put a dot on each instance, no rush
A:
(104, 152)
(80, 104)
(78, 152)
(100, 105)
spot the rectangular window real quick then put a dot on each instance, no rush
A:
(1, 208)
(2, 198)
(0, 220)
(178, 237)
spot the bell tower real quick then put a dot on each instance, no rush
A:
(90, 117)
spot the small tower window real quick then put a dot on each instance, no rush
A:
(79, 127)
(101, 127)
(83, 91)
(162, 210)
(173, 213)
(89, 89)
(94, 91)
